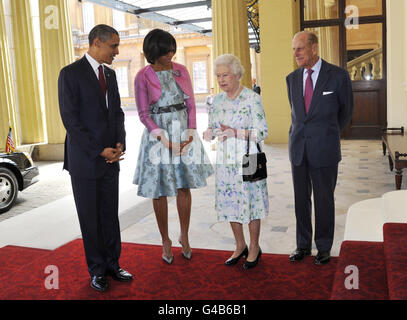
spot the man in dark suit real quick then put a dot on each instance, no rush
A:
(90, 108)
(321, 101)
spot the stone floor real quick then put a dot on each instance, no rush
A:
(363, 174)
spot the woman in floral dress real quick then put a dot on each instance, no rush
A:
(235, 115)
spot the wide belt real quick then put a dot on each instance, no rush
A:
(171, 108)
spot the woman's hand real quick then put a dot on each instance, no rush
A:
(208, 135)
(186, 145)
(178, 149)
(227, 132)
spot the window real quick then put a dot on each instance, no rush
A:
(119, 20)
(122, 81)
(88, 16)
(352, 35)
(320, 9)
(200, 76)
(328, 43)
(366, 8)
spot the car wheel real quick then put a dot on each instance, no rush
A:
(8, 189)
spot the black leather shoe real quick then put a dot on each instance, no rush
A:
(233, 261)
(252, 264)
(120, 275)
(99, 283)
(299, 254)
(323, 257)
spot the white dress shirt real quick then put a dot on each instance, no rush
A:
(95, 66)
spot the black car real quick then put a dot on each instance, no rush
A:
(17, 172)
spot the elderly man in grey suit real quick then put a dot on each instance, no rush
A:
(321, 102)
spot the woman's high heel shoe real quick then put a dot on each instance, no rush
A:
(252, 264)
(233, 261)
(167, 259)
(186, 254)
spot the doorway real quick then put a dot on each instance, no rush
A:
(352, 35)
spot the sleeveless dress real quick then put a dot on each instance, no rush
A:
(158, 172)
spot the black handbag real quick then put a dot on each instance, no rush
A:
(254, 165)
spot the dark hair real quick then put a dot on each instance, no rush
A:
(158, 43)
(103, 32)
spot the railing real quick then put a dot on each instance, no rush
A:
(367, 67)
(82, 38)
(253, 17)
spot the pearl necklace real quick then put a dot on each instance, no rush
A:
(236, 94)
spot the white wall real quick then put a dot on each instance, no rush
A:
(397, 63)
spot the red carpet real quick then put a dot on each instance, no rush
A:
(382, 274)
(368, 257)
(13, 257)
(395, 248)
(205, 277)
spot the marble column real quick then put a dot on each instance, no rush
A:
(279, 21)
(180, 55)
(57, 51)
(230, 33)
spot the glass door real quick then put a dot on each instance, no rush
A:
(352, 35)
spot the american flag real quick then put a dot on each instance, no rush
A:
(10, 146)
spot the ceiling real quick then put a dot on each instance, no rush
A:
(189, 15)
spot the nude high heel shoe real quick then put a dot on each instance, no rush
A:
(186, 254)
(167, 259)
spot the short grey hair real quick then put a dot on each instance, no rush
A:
(232, 62)
(312, 37)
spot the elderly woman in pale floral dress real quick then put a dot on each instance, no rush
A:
(235, 115)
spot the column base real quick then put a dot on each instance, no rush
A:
(48, 152)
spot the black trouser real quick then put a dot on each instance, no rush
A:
(321, 182)
(97, 207)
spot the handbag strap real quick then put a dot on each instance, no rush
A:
(248, 144)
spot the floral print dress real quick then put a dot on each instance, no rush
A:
(238, 201)
(160, 173)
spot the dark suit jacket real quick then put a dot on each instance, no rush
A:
(330, 111)
(90, 125)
